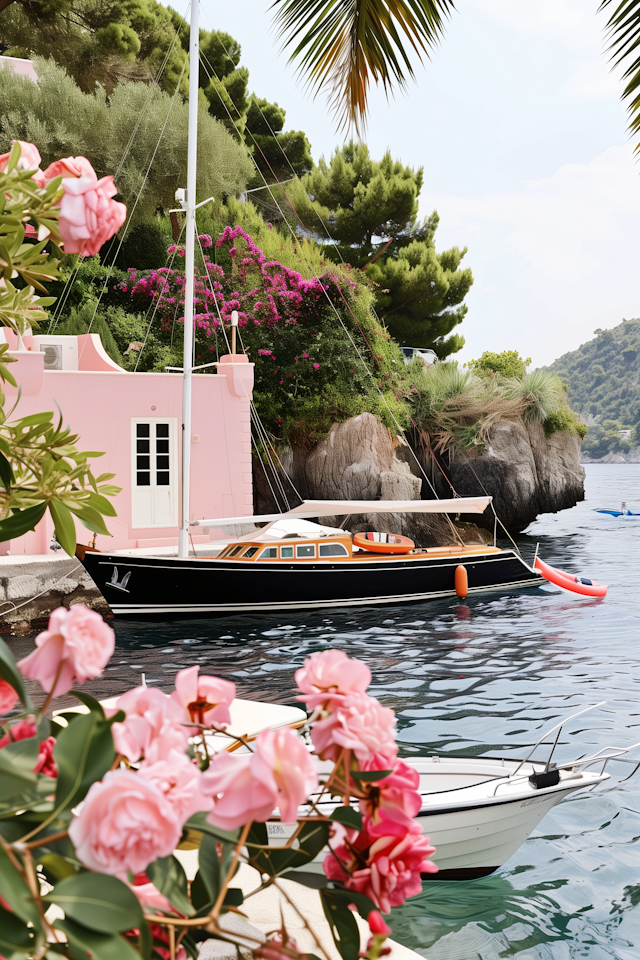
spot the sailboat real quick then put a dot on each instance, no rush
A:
(292, 563)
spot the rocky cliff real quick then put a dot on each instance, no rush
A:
(526, 472)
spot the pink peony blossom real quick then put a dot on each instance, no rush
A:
(179, 780)
(8, 697)
(361, 724)
(238, 794)
(76, 646)
(70, 167)
(394, 855)
(205, 699)
(124, 824)
(329, 676)
(281, 756)
(397, 796)
(153, 725)
(88, 214)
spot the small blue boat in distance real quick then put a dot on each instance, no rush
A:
(623, 512)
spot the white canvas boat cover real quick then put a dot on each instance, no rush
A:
(342, 508)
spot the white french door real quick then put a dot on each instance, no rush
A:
(154, 472)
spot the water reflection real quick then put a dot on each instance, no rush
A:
(486, 675)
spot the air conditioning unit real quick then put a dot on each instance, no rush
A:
(60, 353)
(52, 356)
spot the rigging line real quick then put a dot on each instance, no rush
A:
(383, 398)
(332, 305)
(276, 476)
(266, 475)
(155, 310)
(164, 126)
(470, 465)
(257, 420)
(71, 279)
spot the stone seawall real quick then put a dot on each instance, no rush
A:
(31, 587)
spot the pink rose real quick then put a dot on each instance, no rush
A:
(153, 725)
(394, 855)
(205, 699)
(76, 646)
(377, 925)
(22, 730)
(179, 780)
(279, 947)
(282, 758)
(8, 697)
(46, 763)
(329, 676)
(360, 724)
(238, 795)
(29, 160)
(397, 796)
(70, 167)
(88, 215)
(124, 824)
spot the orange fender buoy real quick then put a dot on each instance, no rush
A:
(461, 581)
(383, 543)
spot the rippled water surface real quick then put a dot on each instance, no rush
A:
(487, 675)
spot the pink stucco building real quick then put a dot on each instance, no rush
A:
(136, 419)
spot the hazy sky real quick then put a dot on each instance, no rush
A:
(518, 125)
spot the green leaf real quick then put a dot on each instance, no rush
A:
(145, 941)
(94, 705)
(65, 529)
(313, 836)
(370, 776)
(213, 864)
(99, 946)
(200, 896)
(17, 761)
(84, 752)
(56, 868)
(169, 877)
(10, 674)
(16, 892)
(89, 517)
(348, 817)
(21, 521)
(362, 902)
(100, 902)
(234, 897)
(14, 934)
(6, 472)
(344, 927)
(198, 822)
(315, 881)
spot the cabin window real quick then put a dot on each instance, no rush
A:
(250, 553)
(269, 553)
(235, 551)
(154, 472)
(305, 550)
(286, 553)
(333, 550)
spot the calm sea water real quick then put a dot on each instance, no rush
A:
(487, 675)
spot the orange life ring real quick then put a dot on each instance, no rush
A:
(383, 542)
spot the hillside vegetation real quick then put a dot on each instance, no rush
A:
(603, 380)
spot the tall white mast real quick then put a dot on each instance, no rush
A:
(189, 265)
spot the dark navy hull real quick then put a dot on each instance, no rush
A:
(171, 588)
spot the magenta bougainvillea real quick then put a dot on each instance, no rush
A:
(302, 334)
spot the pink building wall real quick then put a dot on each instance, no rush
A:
(99, 400)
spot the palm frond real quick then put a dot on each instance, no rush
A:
(344, 45)
(623, 30)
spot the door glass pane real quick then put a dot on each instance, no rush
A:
(143, 463)
(162, 463)
(143, 446)
(162, 429)
(142, 430)
(143, 479)
(162, 446)
(162, 478)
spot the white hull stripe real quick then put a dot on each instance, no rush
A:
(119, 608)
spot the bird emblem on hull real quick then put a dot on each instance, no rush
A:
(119, 584)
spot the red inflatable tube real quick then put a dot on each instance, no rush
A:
(569, 582)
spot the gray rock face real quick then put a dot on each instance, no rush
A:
(359, 460)
(526, 472)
